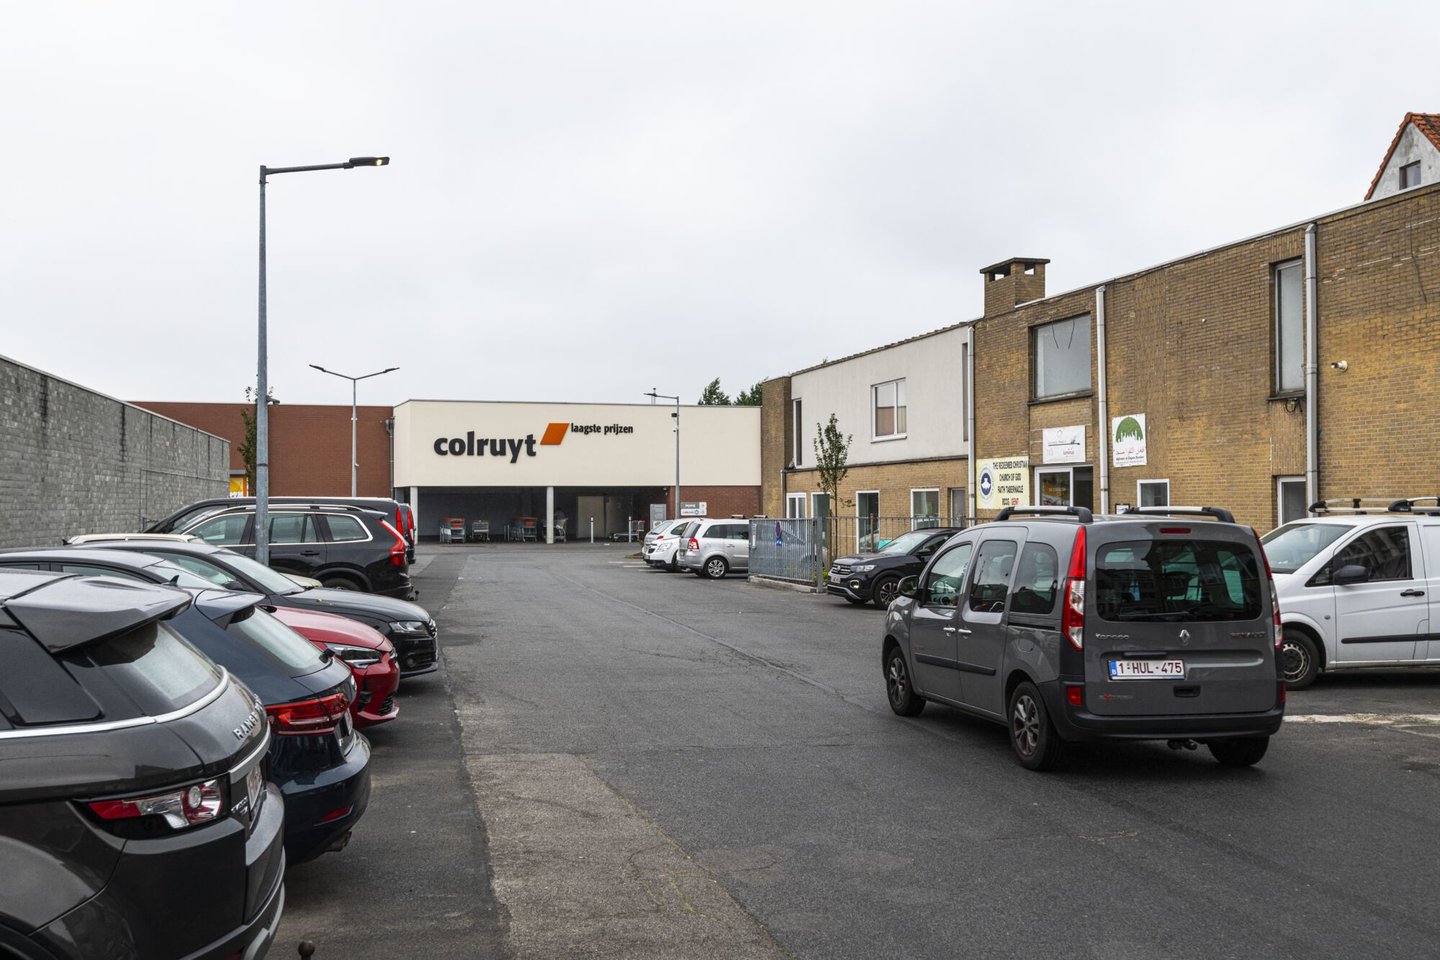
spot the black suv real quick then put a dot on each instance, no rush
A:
(1064, 626)
(135, 817)
(875, 577)
(345, 548)
(399, 514)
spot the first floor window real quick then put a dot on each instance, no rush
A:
(1289, 329)
(1065, 487)
(1153, 493)
(1290, 499)
(925, 508)
(889, 409)
(797, 434)
(795, 506)
(867, 519)
(959, 507)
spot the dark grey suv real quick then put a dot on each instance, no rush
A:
(135, 817)
(1151, 625)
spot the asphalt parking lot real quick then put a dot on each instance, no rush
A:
(620, 762)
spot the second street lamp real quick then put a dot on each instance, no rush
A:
(354, 458)
(665, 396)
(262, 385)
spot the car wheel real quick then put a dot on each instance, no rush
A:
(715, 568)
(903, 698)
(1037, 745)
(886, 589)
(1240, 752)
(337, 581)
(1299, 659)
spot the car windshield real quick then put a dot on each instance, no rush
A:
(262, 576)
(906, 542)
(1290, 547)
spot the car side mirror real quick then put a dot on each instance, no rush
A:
(1351, 573)
(910, 587)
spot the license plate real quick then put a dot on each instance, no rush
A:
(1147, 669)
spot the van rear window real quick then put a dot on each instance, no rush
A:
(1173, 580)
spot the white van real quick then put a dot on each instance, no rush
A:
(1359, 587)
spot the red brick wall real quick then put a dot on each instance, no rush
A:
(309, 444)
(720, 501)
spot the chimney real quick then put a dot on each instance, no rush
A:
(1014, 281)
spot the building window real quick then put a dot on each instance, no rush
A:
(867, 519)
(1065, 487)
(958, 507)
(1410, 175)
(1290, 499)
(795, 506)
(888, 404)
(925, 508)
(1289, 329)
(1152, 493)
(1060, 357)
(797, 434)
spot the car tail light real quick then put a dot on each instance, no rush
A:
(694, 544)
(1075, 694)
(1274, 596)
(398, 548)
(187, 807)
(1072, 614)
(1280, 694)
(307, 716)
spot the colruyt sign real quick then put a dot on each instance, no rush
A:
(477, 444)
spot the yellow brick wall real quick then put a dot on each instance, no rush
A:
(894, 481)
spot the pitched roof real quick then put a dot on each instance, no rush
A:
(1429, 126)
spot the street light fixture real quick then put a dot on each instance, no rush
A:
(354, 459)
(262, 416)
(665, 396)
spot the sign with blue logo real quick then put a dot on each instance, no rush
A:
(1003, 482)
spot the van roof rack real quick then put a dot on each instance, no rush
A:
(1217, 513)
(1081, 514)
(1369, 505)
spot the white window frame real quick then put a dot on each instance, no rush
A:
(915, 517)
(791, 501)
(901, 417)
(1280, 483)
(1140, 491)
(1405, 182)
(1297, 362)
(797, 439)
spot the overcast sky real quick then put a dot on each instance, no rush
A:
(588, 200)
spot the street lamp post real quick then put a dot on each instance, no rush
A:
(262, 417)
(665, 396)
(354, 458)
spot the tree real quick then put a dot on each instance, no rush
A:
(832, 454)
(713, 396)
(247, 448)
(749, 398)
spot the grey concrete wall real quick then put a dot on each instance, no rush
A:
(76, 461)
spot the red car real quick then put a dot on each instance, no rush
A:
(369, 655)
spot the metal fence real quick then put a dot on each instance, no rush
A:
(800, 550)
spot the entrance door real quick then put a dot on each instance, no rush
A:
(933, 626)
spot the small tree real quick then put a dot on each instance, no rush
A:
(247, 447)
(713, 396)
(749, 398)
(832, 454)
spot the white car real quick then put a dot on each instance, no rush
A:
(1359, 587)
(661, 550)
(664, 526)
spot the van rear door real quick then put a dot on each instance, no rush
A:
(1180, 623)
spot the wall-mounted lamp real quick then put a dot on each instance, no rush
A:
(1340, 365)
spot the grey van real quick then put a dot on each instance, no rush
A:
(1065, 626)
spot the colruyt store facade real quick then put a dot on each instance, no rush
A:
(577, 462)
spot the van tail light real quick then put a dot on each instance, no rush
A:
(1075, 694)
(1072, 614)
(1274, 596)
(307, 716)
(187, 807)
(398, 548)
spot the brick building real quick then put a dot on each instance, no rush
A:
(1260, 375)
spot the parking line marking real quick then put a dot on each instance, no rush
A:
(1377, 719)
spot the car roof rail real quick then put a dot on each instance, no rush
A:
(1407, 504)
(1363, 505)
(1082, 514)
(1217, 513)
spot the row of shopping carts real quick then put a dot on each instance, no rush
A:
(518, 529)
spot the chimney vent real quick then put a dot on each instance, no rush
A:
(1014, 281)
